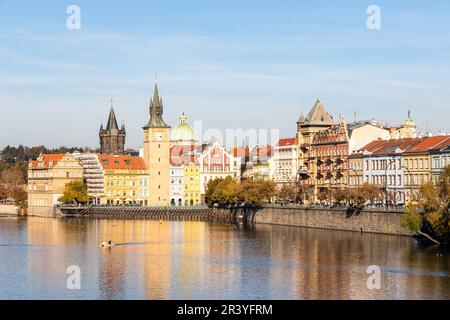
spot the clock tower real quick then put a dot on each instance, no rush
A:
(157, 153)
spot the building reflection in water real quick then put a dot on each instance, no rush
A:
(196, 260)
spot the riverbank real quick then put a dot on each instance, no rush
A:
(367, 221)
(9, 210)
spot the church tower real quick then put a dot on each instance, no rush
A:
(112, 139)
(157, 152)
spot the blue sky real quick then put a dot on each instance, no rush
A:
(230, 64)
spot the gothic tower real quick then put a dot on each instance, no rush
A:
(112, 139)
(157, 152)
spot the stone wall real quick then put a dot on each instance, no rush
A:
(46, 212)
(9, 210)
(368, 221)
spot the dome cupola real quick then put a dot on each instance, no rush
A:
(183, 133)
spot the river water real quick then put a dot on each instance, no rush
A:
(197, 260)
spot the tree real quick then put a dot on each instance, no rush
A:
(288, 193)
(255, 193)
(366, 192)
(20, 196)
(341, 195)
(210, 188)
(430, 217)
(3, 192)
(229, 192)
(75, 192)
(12, 177)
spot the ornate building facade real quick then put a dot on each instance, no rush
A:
(215, 162)
(47, 179)
(285, 161)
(327, 161)
(126, 180)
(112, 139)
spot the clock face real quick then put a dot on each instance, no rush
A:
(159, 136)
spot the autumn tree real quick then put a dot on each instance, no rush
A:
(430, 217)
(342, 195)
(3, 192)
(288, 193)
(229, 192)
(364, 193)
(12, 178)
(75, 192)
(256, 193)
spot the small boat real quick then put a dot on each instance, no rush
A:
(106, 244)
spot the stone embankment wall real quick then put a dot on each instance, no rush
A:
(385, 222)
(9, 210)
(45, 212)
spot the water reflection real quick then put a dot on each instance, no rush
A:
(196, 260)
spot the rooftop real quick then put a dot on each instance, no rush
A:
(113, 162)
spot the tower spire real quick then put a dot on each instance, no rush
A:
(156, 109)
(112, 120)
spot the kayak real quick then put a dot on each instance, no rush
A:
(105, 245)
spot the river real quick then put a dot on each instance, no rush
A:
(198, 260)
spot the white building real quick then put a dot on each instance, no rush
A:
(176, 185)
(285, 161)
(383, 165)
(363, 132)
(215, 162)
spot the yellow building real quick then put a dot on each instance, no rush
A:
(126, 180)
(191, 181)
(157, 153)
(417, 166)
(47, 179)
(356, 169)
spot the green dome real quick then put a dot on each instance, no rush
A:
(409, 122)
(183, 132)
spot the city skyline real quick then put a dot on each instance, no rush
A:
(231, 67)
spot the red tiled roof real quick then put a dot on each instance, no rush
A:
(240, 151)
(287, 142)
(111, 162)
(429, 143)
(262, 152)
(47, 158)
(390, 146)
(444, 144)
(182, 155)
